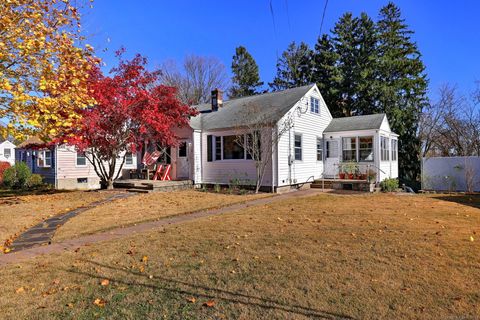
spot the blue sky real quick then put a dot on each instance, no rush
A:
(447, 32)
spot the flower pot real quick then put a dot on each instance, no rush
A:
(350, 176)
(342, 175)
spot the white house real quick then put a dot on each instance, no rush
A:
(7, 151)
(314, 146)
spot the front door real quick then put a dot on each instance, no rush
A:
(332, 158)
(183, 165)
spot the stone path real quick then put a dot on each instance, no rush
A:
(119, 233)
(42, 233)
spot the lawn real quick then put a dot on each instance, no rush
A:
(325, 256)
(143, 208)
(21, 210)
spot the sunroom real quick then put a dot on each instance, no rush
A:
(360, 148)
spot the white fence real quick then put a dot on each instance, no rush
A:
(451, 174)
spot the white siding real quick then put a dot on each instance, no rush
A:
(310, 126)
(197, 156)
(7, 145)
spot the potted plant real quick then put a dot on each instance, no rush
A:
(341, 172)
(350, 169)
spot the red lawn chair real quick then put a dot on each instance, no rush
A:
(166, 173)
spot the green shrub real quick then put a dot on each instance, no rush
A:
(34, 181)
(389, 185)
(16, 177)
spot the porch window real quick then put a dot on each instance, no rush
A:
(394, 149)
(81, 159)
(332, 149)
(384, 149)
(319, 149)
(366, 149)
(298, 147)
(314, 105)
(129, 158)
(349, 149)
(232, 149)
(44, 159)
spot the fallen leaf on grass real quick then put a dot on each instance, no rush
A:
(20, 290)
(145, 259)
(105, 282)
(472, 239)
(191, 300)
(70, 305)
(209, 304)
(99, 302)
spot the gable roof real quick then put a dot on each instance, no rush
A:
(273, 105)
(367, 122)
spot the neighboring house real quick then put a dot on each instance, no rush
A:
(7, 151)
(62, 166)
(315, 146)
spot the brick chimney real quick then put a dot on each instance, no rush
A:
(217, 99)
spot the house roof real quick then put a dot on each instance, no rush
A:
(367, 122)
(31, 141)
(273, 106)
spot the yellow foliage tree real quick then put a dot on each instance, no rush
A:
(43, 66)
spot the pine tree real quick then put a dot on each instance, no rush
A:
(246, 79)
(402, 86)
(294, 68)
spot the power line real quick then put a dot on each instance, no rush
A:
(323, 17)
(274, 27)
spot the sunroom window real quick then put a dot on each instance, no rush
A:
(366, 149)
(349, 149)
(384, 148)
(394, 149)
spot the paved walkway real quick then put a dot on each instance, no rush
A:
(118, 233)
(42, 233)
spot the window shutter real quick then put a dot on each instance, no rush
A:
(209, 148)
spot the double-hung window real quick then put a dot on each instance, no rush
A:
(298, 147)
(81, 159)
(232, 149)
(128, 158)
(384, 148)
(44, 159)
(394, 149)
(349, 149)
(314, 105)
(319, 149)
(365, 149)
(7, 153)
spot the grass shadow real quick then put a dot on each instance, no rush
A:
(192, 289)
(471, 200)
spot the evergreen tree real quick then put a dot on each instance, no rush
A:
(326, 74)
(246, 79)
(294, 68)
(402, 86)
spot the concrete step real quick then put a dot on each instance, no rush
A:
(137, 190)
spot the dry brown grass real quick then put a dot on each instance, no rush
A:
(147, 207)
(362, 257)
(18, 213)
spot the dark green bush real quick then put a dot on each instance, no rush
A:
(34, 181)
(389, 185)
(16, 177)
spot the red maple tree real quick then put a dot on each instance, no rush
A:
(132, 107)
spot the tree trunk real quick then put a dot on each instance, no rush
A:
(110, 184)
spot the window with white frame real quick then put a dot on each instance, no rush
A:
(365, 149)
(384, 148)
(44, 159)
(298, 147)
(81, 159)
(394, 149)
(232, 150)
(349, 149)
(7, 153)
(314, 105)
(128, 158)
(319, 149)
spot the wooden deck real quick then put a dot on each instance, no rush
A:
(147, 186)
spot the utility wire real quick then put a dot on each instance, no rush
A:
(323, 18)
(274, 27)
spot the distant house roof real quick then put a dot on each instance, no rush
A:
(273, 105)
(367, 122)
(31, 141)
